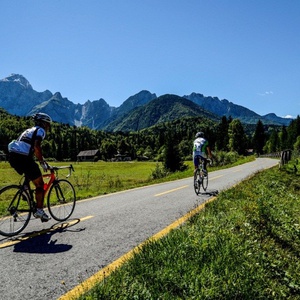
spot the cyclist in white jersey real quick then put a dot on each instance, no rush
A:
(201, 150)
(21, 154)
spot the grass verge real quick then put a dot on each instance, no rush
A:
(92, 179)
(244, 245)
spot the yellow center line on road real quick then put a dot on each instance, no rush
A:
(52, 228)
(183, 187)
(216, 177)
(171, 191)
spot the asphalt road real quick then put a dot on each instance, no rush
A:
(56, 258)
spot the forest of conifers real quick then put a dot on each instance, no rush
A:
(64, 142)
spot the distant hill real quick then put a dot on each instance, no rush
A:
(162, 109)
(129, 105)
(139, 111)
(226, 108)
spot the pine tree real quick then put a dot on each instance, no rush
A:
(237, 138)
(259, 138)
(222, 138)
(173, 160)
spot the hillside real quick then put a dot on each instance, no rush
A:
(162, 109)
(227, 108)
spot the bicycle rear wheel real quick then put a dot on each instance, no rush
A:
(205, 181)
(197, 182)
(15, 210)
(61, 200)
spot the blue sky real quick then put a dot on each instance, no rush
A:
(247, 52)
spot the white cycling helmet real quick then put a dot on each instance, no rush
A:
(199, 134)
(42, 118)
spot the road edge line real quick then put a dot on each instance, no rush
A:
(89, 283)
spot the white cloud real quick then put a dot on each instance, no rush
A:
(268, 93)
(289, 117)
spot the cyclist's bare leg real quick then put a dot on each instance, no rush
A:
(39, 192)
(196, 164)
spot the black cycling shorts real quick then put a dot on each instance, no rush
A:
(25, 165)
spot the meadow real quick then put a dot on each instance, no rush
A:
(98, 178)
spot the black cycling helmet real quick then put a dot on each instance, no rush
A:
(41, 118)
(199, 134)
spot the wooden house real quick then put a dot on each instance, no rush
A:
(88, 155)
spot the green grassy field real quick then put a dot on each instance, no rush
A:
(244, 245)
(92, 179)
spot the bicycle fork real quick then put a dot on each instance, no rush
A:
(59, 194)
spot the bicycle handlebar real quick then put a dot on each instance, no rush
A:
(55, 169)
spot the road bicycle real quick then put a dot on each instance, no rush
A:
(201, 176)
(17, 201)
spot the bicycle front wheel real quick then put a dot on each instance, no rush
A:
(15, 210)
(61, 200)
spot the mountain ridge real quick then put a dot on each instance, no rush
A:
(18, 97)
(165, 108)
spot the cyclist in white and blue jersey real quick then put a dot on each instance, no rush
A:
(201, 150)
(21, 158)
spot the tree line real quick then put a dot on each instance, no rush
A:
(64, 142)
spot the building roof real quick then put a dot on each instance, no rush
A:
(88, 153)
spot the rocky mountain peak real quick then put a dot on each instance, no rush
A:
(20, 79)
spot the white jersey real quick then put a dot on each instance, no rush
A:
(24, 144)
(200, 145)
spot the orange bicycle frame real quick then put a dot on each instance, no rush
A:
(51, 177)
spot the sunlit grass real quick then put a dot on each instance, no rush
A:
(92, 179)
